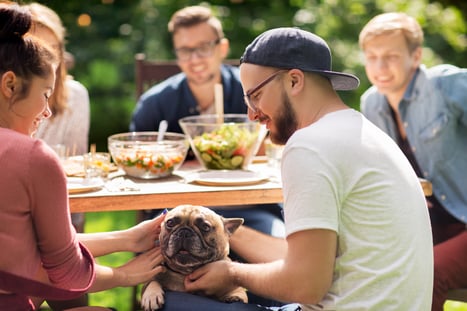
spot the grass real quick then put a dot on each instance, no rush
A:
(105, 221)
(455, 306)
(120, 298)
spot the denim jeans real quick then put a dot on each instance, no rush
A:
(177, 301)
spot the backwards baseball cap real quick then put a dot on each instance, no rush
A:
(290, 48)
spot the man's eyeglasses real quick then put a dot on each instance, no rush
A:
(203, 50)
(248, 94)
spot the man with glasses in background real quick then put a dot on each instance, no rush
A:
(200, 48)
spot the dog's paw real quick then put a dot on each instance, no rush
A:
(231, 299)
(237, 295)
(153, 297)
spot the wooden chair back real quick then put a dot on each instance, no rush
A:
(150, 72)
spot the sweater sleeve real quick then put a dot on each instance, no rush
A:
(61, 255)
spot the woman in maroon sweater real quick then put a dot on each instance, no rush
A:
(37, 239)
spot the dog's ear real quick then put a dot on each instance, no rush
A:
(232, 224)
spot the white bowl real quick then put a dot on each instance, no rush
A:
(140, 155)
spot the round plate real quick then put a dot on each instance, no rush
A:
(227, 177)
(78, 184)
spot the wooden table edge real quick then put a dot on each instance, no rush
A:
(166, 200)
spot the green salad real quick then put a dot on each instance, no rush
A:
(226, 147)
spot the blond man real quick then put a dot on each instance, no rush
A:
(424, 111)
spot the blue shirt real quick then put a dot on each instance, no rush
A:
(172, 99)
(434, 115)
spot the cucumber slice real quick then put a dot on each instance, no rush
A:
(206, 157)
(236, 161)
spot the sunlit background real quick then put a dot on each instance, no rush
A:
(104, 36)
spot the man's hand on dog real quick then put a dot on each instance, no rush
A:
(213, 279)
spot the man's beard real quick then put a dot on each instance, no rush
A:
(286, 122)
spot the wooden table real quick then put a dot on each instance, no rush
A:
(175, 190)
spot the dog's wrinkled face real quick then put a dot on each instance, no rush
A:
(192, 236)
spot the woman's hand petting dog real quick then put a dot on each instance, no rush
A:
(142, 237)
(142, 268)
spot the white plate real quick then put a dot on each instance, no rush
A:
(227, 177)
(78, 184)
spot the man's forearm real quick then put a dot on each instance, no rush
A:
(256, 247)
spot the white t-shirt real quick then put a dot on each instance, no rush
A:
(344, 174)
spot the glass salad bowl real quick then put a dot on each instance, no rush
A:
(226, 144)
(145, 155)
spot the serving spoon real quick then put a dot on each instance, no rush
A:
(162, 129)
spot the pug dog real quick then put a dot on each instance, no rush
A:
(191, 236)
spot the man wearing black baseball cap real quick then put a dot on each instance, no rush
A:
(358, 231)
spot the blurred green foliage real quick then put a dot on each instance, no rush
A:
(104, 50)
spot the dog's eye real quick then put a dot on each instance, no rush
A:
(205, 227)
(169, 223)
